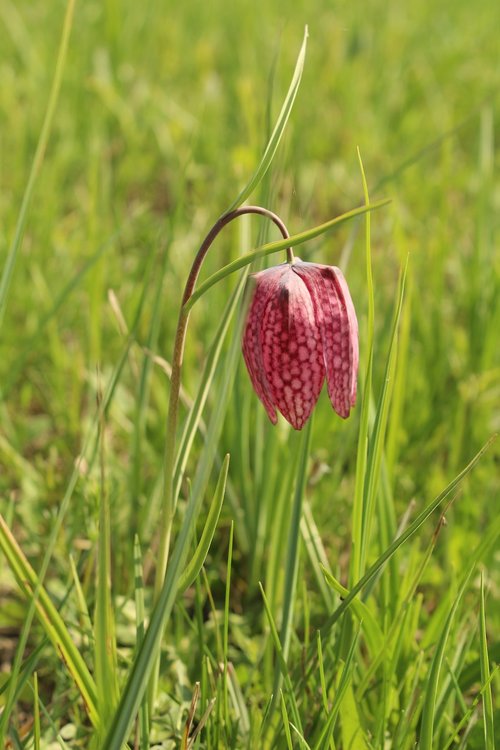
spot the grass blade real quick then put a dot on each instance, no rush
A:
(43, 139)
(355, 570)
(292, 556)
(50, 618)
(278, 131)
(372, 630)
(427, 727)
(195, 564)
(280, 654)
(377, 439)
(286, 722)
(147, 653)
(207, 378)
(140, 616)
(36, 714)
(344, 682)
(104, 629)
(412, 528)
(489, 727)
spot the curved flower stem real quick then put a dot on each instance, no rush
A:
(168, 504)
(175, 380)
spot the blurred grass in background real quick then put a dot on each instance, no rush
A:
(162, 116)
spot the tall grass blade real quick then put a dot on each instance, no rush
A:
(225, 632)
(281, 656)
(51, 620)
(292, 555)
(489, 726)
(147, 652)
(412, 528)
(278, 131)
(345, 680)
(36, 714)
(209, 369)
(195, 564)
(377, 439)
(472, 709)
(426, 741)
(89, 444)
(105, 658)
(286, 722)
(140, 617)
(371, 629)
(358, 511)
(38, 158)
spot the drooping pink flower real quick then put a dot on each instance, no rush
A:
(301, 327)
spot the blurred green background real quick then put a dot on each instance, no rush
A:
(163, 114)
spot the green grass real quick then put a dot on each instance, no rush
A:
(334, 589)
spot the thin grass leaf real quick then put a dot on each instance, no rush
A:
(345, 679)
(426, 741)
(278, 131)
(105, 658)
(489, 726)
(405, 723)
(292, 555)
(371, 629)
(286, 722)
(394, 635)
(277, 246)
(450, 688)
(206, 381)
(282, 664)
(302, 741)
(412, 528)
(87, 448)
(377, 439)
(238, 701)
(195, 564)
(324, 689)
(358, 512)
(36, 714)
(316, 552)
(471, 711)
(352, 732)
(51, 620)
(83, 612)
(142, 398)
(147, 652)
(28, 667)
(140, 618)
(38, 158)
(52, 725)
(225, 636)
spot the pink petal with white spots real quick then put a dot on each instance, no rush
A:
(266, 283)
(337, 322)
(292, 350)
(353, 330)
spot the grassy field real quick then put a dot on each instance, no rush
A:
(336, 588)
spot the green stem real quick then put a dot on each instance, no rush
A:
(168, 505)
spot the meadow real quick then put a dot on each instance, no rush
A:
(178, 572)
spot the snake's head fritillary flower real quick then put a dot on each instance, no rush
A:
(301, 328)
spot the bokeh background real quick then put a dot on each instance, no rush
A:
(163, 114)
